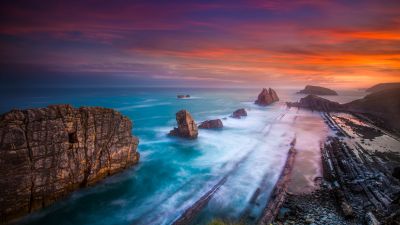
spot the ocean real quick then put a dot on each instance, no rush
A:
(174, 173)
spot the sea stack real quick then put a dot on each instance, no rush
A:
(239, 113)
(317, 90)
(187, 128)
(46, 153)
(211, 124)
(267, 97)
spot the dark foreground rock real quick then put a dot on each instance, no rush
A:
(267, 97)
(47, 153)
(211, 124)
(318, 207)
(317, 90)
(187, 128)
(239, 113)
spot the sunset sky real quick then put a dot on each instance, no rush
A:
(200, 43)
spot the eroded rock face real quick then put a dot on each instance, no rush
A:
(239, 113)
(317, 90)
(267, 97)
(47, 153)
(211, 124)
(187, 128)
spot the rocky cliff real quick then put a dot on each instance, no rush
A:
(317, 90)
(266, 97)
(383, 104)
(47, 153)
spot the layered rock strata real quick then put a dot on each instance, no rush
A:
(47, 153)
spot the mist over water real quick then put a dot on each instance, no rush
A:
(174, 173)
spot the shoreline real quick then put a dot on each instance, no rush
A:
(278, 194)
(357, 185)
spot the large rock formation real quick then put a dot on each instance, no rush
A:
(317, 90)
(314, 102)
(187, 128)
(239, 113)
(211, 124)
(266, 97)
(383, 86)
(383, 104)
(47, 153)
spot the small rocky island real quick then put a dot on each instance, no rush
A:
(46, 153)
(183, 96)
(317, 90)
(267, 97)
(211, 124)
(187, 128)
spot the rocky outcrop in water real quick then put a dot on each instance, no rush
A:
(317, 90)
(267, 97)
(187, 128)
(47, 153)
(211, 124)
(239, 113)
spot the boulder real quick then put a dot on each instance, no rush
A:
(211, 124)
(317, 90)
(267, 97)
(239, 113)
(187, 128)
(396, 172)
(46, 153)
(347, 209)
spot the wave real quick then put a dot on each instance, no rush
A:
(137, 106)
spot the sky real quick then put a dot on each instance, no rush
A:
(200, 43)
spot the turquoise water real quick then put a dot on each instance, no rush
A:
(173, 173)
